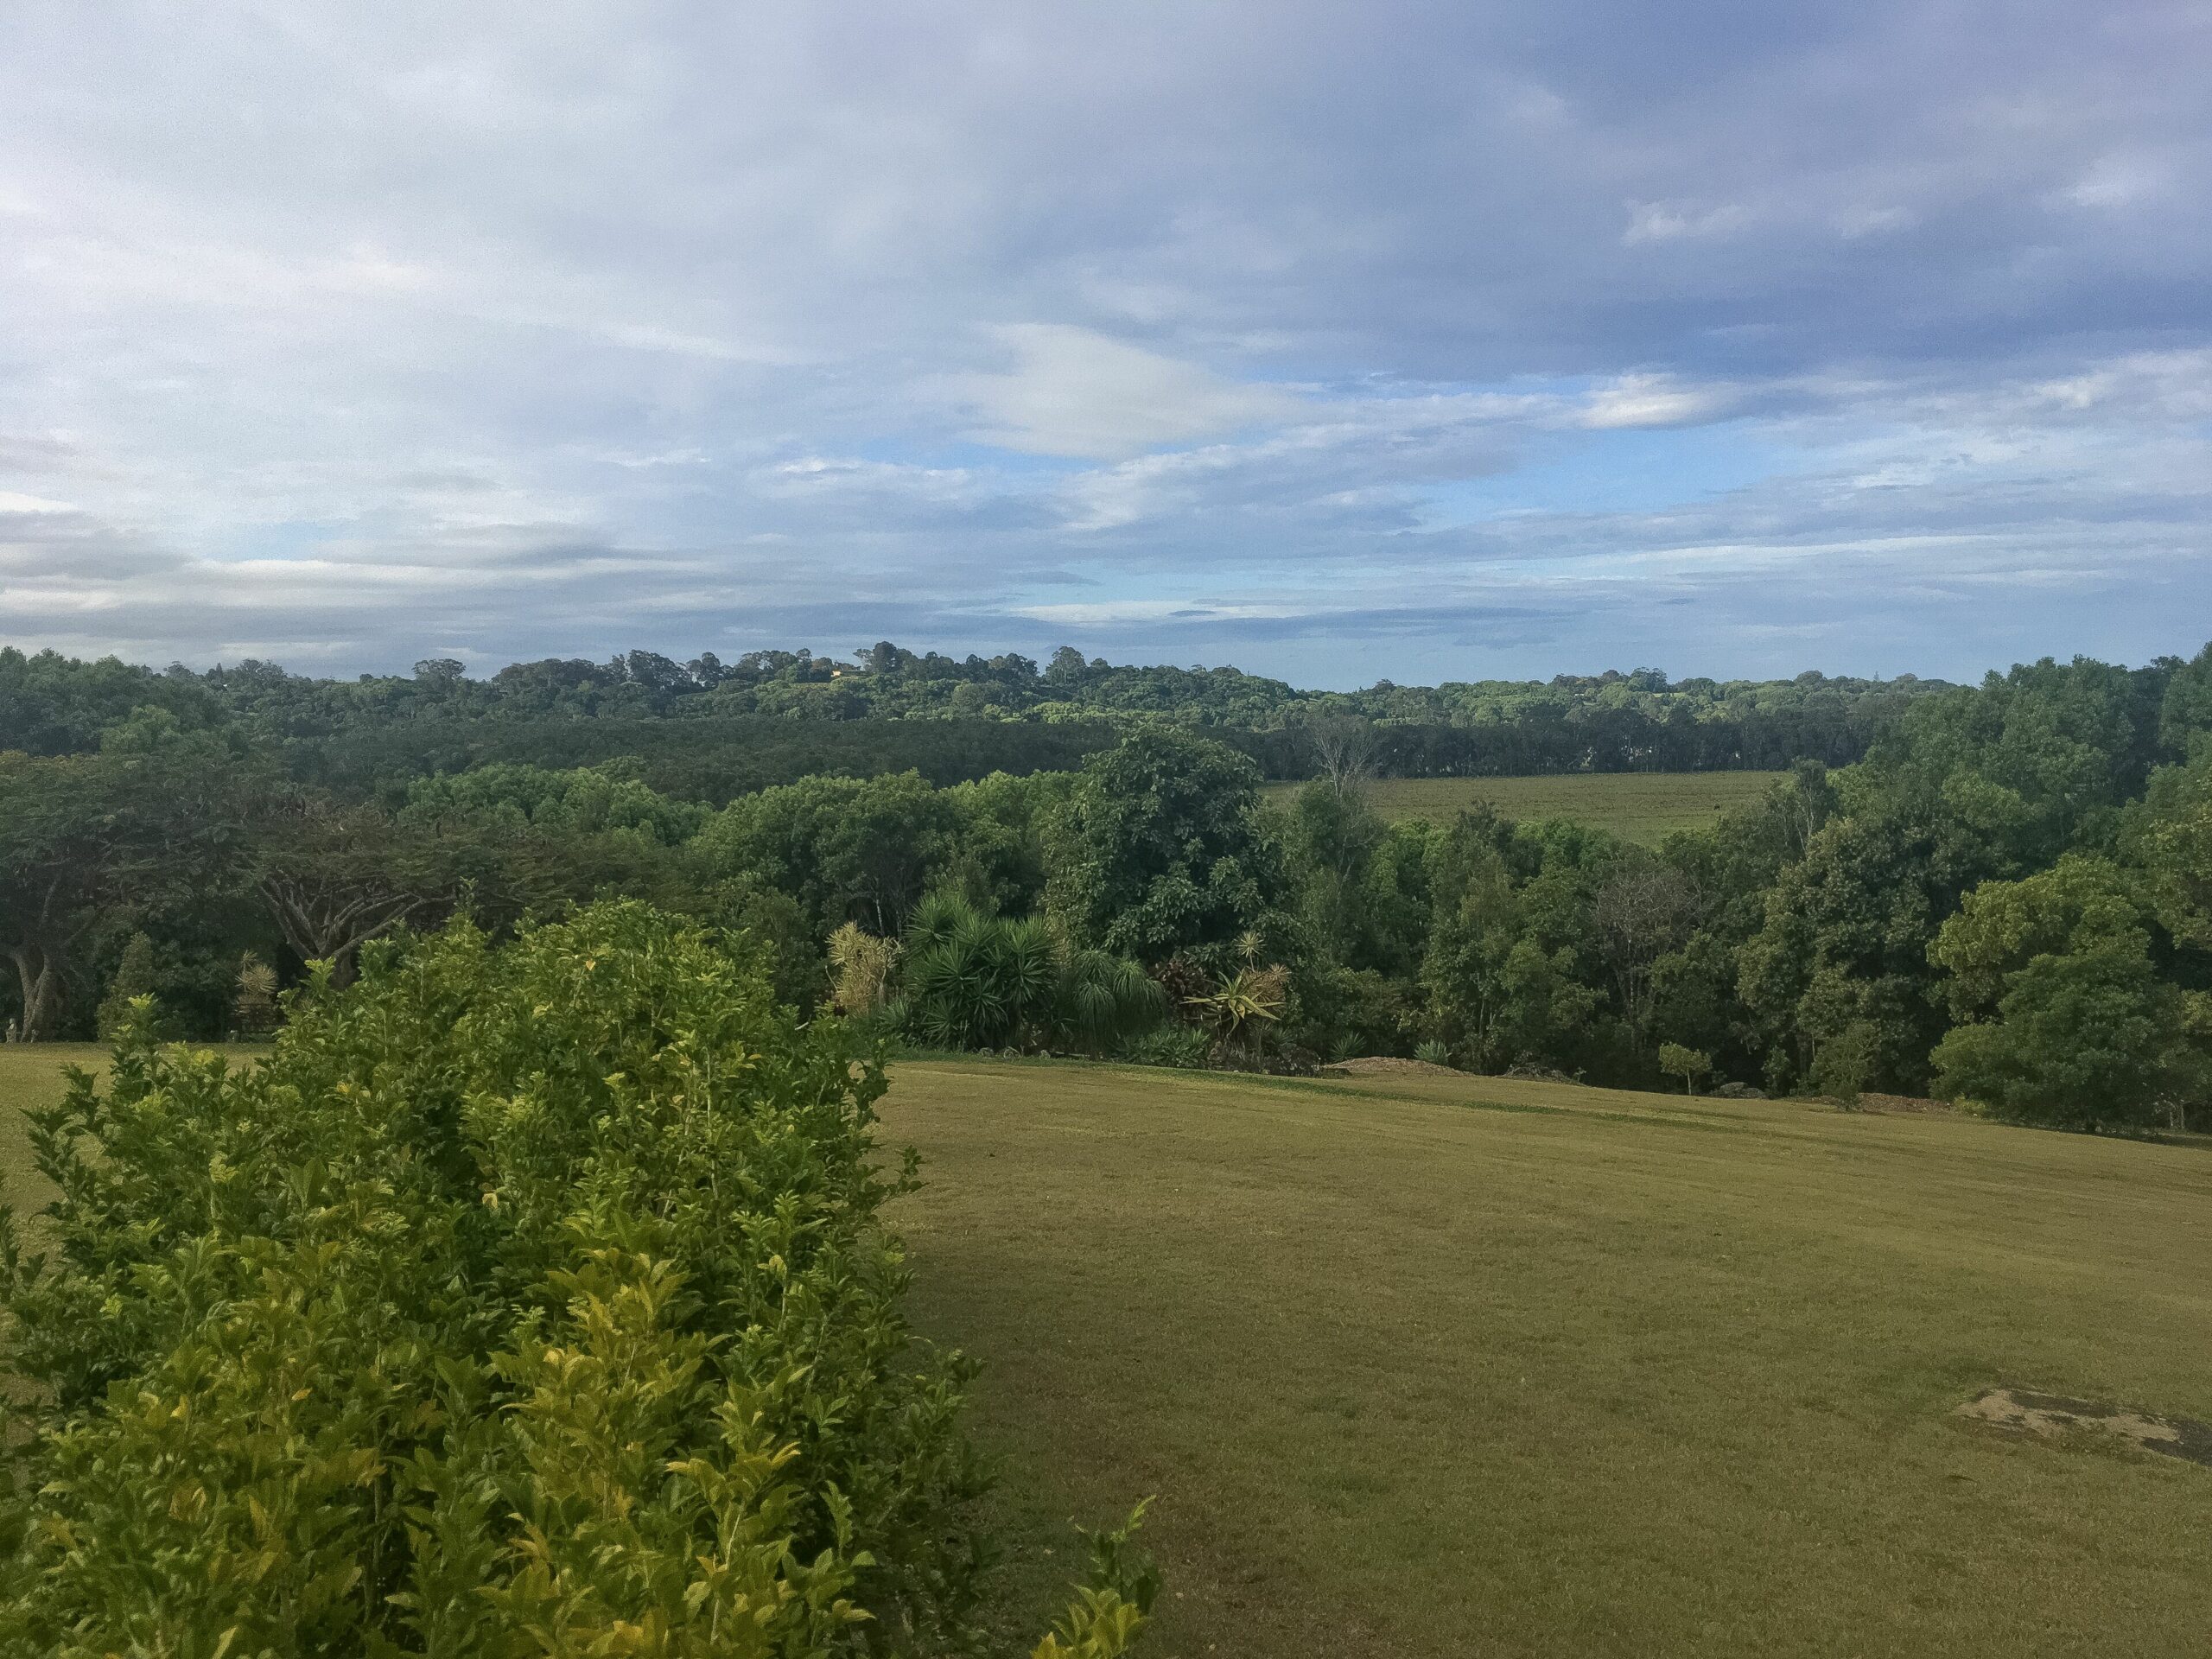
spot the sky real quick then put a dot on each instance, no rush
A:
(1341, 342)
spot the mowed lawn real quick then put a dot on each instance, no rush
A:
(31, 1077)
(1444, 1366)
(1638, 806)
(1465, 1366)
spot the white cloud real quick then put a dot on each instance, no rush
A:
(1073, 392)
(1114, 612)
(1636, 400)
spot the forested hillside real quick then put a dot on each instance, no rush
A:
(2006, 900)
(709, 730)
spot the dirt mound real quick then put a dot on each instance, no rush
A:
(1387, 1066)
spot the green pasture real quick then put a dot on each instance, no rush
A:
(1639, 806)
(30, 1077)
(1446, 1366)
(1449, 1366)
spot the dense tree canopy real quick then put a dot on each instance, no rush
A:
(2008, 900)
(1161, 853)
(774, 716)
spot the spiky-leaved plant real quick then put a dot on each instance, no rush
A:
(977, 981)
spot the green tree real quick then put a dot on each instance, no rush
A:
(1687, 1064)
(2185, 714)
(335, 875)
(139, 835)
(2065, 1018)
(133, 978)
(524, 1297)
(2168, 835)
(1845, 940)
(1359, 893)
(1161, 852)
(51, 704)
(977, 981)
(2085, 1039)
(2081, 902)
(858, 849)
(2036, 754)
(1331, 837)
(1501, 971)
(996, 835)
(973, 980)
(1644, 911)
(1846, 1052)
(582, 800)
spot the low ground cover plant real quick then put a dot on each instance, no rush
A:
(528, 1300)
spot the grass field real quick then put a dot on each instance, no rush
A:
(1639, 806)
(30, 1076)
(1460, 1367)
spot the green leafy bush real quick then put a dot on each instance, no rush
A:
(1169, 1044)
(526, 1301)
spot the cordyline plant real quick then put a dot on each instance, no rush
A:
(526, 1301)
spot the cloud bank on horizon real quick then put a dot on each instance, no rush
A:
(1344, 342)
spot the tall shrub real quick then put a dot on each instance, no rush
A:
(134, 978)
(526, 1301)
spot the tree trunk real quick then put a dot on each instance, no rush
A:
(321, 927)
(37, 973)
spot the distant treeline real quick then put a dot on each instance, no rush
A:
(709, 730)
(1540, 739)
(2008, 900)
(712, 760)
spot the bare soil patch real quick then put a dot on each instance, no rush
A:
(2051, 1416)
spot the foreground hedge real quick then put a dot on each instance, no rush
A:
(527, 1300)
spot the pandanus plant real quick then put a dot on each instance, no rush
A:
(973, 980)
